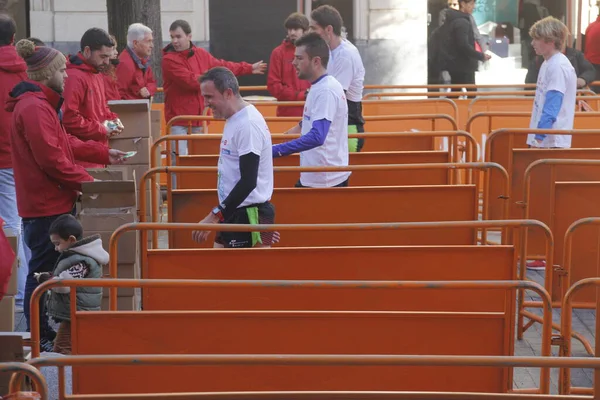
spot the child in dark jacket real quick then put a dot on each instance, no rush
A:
(80, 258)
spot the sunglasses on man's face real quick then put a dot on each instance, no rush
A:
(453, 4)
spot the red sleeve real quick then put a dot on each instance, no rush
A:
(124, 79)
(275, 84)
(41, 130)
(177, 72)
(74, 122)
(241, 68)
(90, 151)
(150, 81)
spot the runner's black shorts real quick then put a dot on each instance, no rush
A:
(263, 213)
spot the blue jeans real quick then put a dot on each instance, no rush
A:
(43, 259)
(182, 147)
(10, 215)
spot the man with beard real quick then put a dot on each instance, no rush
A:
(47, 178)
(86, 109)
(324, 126)
(283, 82)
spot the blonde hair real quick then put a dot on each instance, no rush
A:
(550, 29)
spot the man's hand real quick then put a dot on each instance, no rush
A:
(581, 83)
(144, 93)
(201, 236)
(259, 68)
(116, 156)
(486, 57)
(112, 128)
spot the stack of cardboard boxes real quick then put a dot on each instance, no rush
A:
(137, 136)
(7, 304)
(105, 206)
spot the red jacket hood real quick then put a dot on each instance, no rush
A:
(78, 62)
(10, 60)
(169, 51)
(36, 89)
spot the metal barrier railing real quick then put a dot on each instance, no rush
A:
(181, 283)
(17, 368)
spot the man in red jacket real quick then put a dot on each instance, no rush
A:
(134, 75)
(182, 65)
(47, 179)
(86, 108)
(283, 82)
(12, 71)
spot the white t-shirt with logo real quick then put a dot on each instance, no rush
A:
(345, 65)
(326, 100)
(246, 132)
(558, 74)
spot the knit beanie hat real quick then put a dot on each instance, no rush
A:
(42, 62)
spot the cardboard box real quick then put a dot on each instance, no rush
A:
(140, 144)
(155, 124)
(127, 250)
(7, 314)
(108, 194)
(13, 240)
(124, 271)
(106, 174)
(133, 172)
(11, 350)
(135, 116)
(106, 220)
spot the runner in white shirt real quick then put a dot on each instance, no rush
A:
(345, 65)
(555, 97)
(324, 126)
(245, 178)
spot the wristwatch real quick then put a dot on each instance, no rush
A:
(217, 211)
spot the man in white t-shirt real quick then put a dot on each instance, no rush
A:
(245, 177)
(345, 65)
(324, 125)
(555, 97)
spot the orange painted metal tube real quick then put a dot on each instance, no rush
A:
(183, 283)
(512, 131)
(25, 369)
(566, 315)
(113, 244)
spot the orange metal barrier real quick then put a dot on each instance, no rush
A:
(516, 120)
(517, 104)
(447, 263)
(567, 323)
(373, 107)
(403, 203)
(507, 147)
(16, 368)
(206, 179)
(373, 123)
(321, 360)
(380, 336)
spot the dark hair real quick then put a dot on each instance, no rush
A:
(66, 226)
(95, 39)
(37, 42)
(296, 21)
(8, 28)
(315, 46)
(184, 25)
(223, 79)
(327, 15)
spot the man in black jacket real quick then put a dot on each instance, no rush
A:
(458, 55)
(585, 71)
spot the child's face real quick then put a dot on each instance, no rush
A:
(61, 244)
